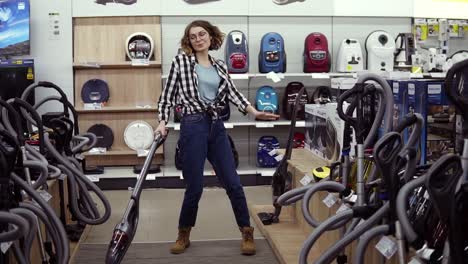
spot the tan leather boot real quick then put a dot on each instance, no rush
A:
(182, 241)
(247, 244)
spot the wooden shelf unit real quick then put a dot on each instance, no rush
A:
(99, 53)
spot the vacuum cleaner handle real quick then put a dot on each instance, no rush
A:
(453, 93)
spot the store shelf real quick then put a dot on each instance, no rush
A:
(114, 65)
(116, 109)
(251, 123)
(434, 137)
(325, 75)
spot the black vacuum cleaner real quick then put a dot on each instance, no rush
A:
(125, 230)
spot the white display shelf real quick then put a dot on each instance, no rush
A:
(325, 75)
(247, 122)
(171, 171)
(121, 173)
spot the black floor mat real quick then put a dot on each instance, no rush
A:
(206, 252)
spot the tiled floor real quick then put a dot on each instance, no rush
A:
(159, 212)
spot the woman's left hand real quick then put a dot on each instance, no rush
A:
(265, 116)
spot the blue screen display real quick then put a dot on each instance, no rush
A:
(14, 27)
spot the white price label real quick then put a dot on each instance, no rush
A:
(181, 176)
(177, 127)
(330, 200)
(151, 177)
(140, 62)
(5, 246)
(142, 152)
(320, 76)
(228, 125)
(342, 208)
(273, 76)
(93, 178)
(306, 180)
(92, 106)
(264, 124)
(387, 247)
(279, 157)
(97, 151)
(45, 195)
(273, 152)
(438, 74)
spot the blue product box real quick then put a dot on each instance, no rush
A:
(435, 92)
(400, 91)
(417, 103)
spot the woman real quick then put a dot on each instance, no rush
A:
(202, 84)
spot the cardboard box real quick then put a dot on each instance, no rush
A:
(324, 131)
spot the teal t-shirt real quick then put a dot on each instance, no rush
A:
(208, 82)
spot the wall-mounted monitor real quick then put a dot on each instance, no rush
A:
(14, 27)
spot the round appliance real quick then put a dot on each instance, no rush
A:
(104, 135)
(139, 135)
(95, 91)
(139, 45)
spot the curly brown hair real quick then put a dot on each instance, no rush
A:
(213, 31)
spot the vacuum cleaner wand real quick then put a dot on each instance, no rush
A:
(125, 230)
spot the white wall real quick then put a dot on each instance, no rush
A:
(89, 8)
(373, 8)
(441, 8)
(52, 58)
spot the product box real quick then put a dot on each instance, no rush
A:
(324, 131)
(338, 85)
(416, 102)
(400, 92)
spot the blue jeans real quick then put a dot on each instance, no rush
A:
(201, 138)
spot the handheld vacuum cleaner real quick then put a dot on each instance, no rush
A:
(125, 230)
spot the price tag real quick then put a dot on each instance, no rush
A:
(93, 178)
(140, 62)
(330, 200)
(279, 157)
(45, 195)
(264, 124)
(62, 177)
(320, 76)
(273, 152)
(151, 177)
(305, 180)
(273, 76)
(228, 125)
(387, 247)
(79, 156)
(97, 151)
(342, 208)
(5, 246)
(177, 127)
(181, 176)
(92, 106)
(438, 74)
(142, 152)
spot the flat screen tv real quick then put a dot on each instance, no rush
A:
(14, 28)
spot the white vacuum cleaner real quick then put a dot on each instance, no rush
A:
(380, 48)
(349, 57)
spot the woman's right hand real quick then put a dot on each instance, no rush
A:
(161, 128)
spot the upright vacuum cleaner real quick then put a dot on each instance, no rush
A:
(281, 182)
(125, 230)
